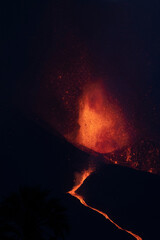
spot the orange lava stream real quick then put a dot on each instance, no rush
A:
(72, 192)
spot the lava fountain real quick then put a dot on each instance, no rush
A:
(102, 125)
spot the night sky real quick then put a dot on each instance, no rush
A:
(117, 41)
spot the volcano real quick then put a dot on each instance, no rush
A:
(80, 112)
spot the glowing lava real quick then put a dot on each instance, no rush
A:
(102, 125)
(79, 181)
(102, 128)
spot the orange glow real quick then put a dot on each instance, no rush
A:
(102, 125)
(79, 181)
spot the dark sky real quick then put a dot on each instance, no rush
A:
(120, 41)
(119, 38)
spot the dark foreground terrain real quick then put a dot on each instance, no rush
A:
(34, 155)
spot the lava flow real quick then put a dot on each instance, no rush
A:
(80, 180)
